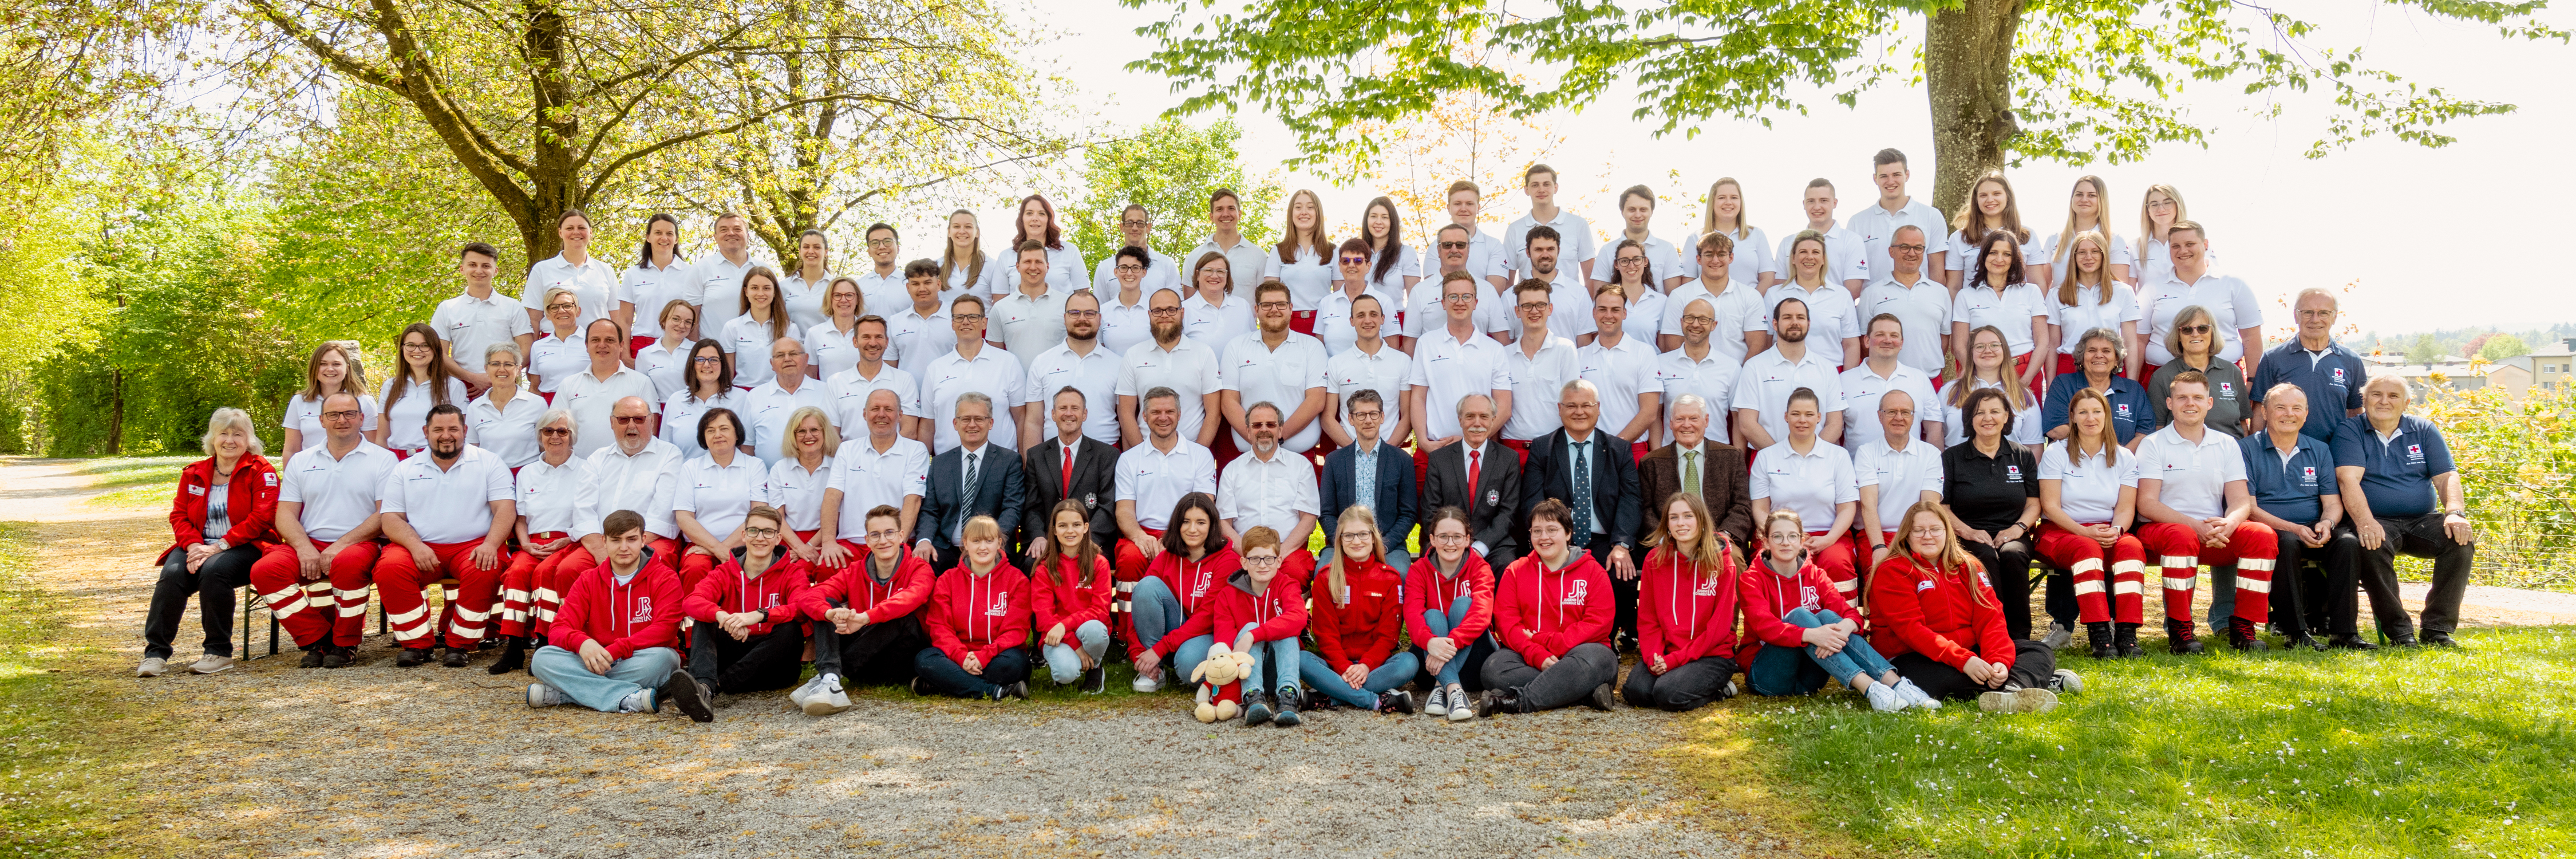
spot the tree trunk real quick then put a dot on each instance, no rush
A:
(1967, 72)
(545, 47)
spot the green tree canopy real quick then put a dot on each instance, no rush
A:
(1169, 167)
(2502, 346)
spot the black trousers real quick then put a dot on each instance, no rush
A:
(879, 653)
(2033, 664)
(1570, 681)
(1686, 687)
(1471, 666)
(212, 584)
(770, 660)
(2322, 601)
(2008, 569)
(2417, 537)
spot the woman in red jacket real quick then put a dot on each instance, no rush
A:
(1357, 603)
(1192, 565)
(1553, 611)
(1798, 630)
(224, 518)
(978, 619)
(748, 638)
(1263, 612)
(1941, 626)
(1685, 613)
(1072, 601)
(1448, 606)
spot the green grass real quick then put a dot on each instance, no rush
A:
(56, 799)
(2411, 753)
(135, 481)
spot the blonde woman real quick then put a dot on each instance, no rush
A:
(1685, 612)
(558, 352)
(977, 620)
(2084, 214)
(961, 260)
(1753, 264)
(834, 340)
(1989, 365)
(2158, 211)
(1832, 322)
(223, 516)
(332, 369)
(2089, 295)
(1357, 612)
(1991, 207)
(797, 480)
(802, 288)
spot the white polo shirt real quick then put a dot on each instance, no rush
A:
(1307, 279)
(470, 325)
(1281, 376)
(749, 340)
(1875, 226)
(1768, 379)
(591, 398)
(305, 415)
(2089, 493)
(1485, 258)
(1161, 271)
(1645, 317)
(1922, 311)
(1752, 257)
(2010, 312)
(1155, 480)
(1214, 325)
(1829, 314)
(1575, 243)
(2090, 312)
(868, 477)
(798, 492)
(1966, 255)
(404, 417)
(1255, 493)
(1663, 260)
(1536, 384)
(2058, 256)
(919, 339)
(337, 494)
(1738, 310)
(554, 359)
(1245, 262)
(1424, 311)
(1712, 378)
(1954, 420)
(880, 294)
(508, 430)
(680, 415)
(1190, 369)
(648, 289)
(2195, 474)
(849, 392)
(1449, 369)
(1122, 326)
(452, 505)
(2231, 305)
(831, 350)
(1028, 326)
(993, 373)
(1570, 304)
(1846, 258)
(1333, 318)
(593, 283)
(1811, 483)
(1622, 373)
(667, 367)
(719, 495)
(767, 408)
(1902, 476)
(804, 298)
(1095, 375)
(558, 498)
(1862, 388)
(719, 285)
(1066, 270)
(647, 482)
(2154, 260)
(1382, 371)
(1407, 264)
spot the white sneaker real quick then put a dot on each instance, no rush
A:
(1461, 707)
(1438, 705)
(541, 695)
(211, 664)
(825, 696)
(1915, 696)
(2017, 701)
(803, 692)
(152, 666)
(1883, 698)
(640, 701)
(1146, 684)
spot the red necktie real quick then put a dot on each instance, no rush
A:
(1065, 483)
(1475, 466)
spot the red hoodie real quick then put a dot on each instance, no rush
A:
(644, 612)
(1946, 617)
(1681, 614)
(250, 501)
(881, 600)
(1190, 581)
(775, 592)
(1767, 595)
(983, 615)
(1280, 611)
(1543, 613)
(1426, 590)
(1061, 599)
(1357, 626)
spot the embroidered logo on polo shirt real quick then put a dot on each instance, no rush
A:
(2226, 390)
(2338, 375)
(2012, 474)
(2123, 409)
(2311, 473)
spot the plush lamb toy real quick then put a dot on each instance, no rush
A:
(1220, 677)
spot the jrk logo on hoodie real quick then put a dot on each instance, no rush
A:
(1577, 594)
(643, 610)
(1001, 606)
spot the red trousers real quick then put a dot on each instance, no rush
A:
(1840, 567)
(532, 588)
(1128, 562)
(2250, 550)
(334, 608)
(694, 566)
(400, 582)
(2086, 558)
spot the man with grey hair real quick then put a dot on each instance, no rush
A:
(1595, 474)
(328, 506)
(1270, 485)
(2403, 494)
(1478, 475)
(788, 389)
(1695, 464)
(975, 478)
(639, 471)
(2331, 374)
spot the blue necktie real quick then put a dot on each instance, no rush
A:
(1583, 494)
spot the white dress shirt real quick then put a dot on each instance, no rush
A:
(591, 399)
(553, 359)
(2010, 312)
(666, 362)
(719, 284)
(2089, 312)
(452, 505)
(469, 325)
(1922, 311)
(2195, 474)
(1333, 318)
(1255, 492)
(1307, 279)
(917, 339)
(2230, 302)
(1245, 262)
(1751, 259)
(1122, 326)
(1156, 480)
(1712, 378)
(1846, 259)
(1862, 388)
(305, 415)
(650, 289)
(1217, 325)
(804, 298)
(1876, 227)
(880, 294)
(1623, 373)
(1162, 271)
(849, 393)
(1769, 378)
(1738, 310)
(749, 341)
(831, 350)
(1575, 243)
(1830, 312)
(404, 418)
(680, 415)
(1028, 326)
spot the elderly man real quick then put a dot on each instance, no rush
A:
(592, 394)
(975, 478)
(884, 468)
(1695, 463)
(1273, 486)
(1470, 475)
(2404, 495)
(767, 408)
(1595, 474)
(640, 472)
(449, 515)
(2291, 476)
(2328, 373)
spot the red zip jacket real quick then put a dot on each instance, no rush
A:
(1191, 581)
(1681, 614)
(250, 500)
(776, 592)
(1279, 610)
(1543, 612)
(1357, 628)
(1914, 609)
(1060, 598)
(1425, 589)
(902, 594)
(644, 612)
(983, 615)
(1767, 595)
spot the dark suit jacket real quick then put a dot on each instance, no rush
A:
(1550, 474)
(1395, 491)
(947, 503)
(1095, 483)
(1721, 484)
(1493, 507)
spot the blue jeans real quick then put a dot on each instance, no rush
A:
(1156, 613)
(944, 676)
(1279, 656)
(1319, 676)
(1798, 671)
(1064, 663)
(1441, 622)
(562, 669)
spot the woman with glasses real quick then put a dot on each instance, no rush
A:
(332, 370)
(1260, 612)
(420, 384)
(1636, 210)
(714, 492)
(666, 360)
(504, 419)
(1643, 283)
(1333, 314)
(710, 387)
(1934, 618)
(1358, 601)
(1989, 366)
(1799, 632)
(559, 353)
(555, 494)
(1448, 610)
(1211, 314)
(2195, 346)
(2158, 211)
(834, 339)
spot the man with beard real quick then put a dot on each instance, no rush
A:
(1761, 400)
(1271, 486)
(1151, 479)
(1275, 365)
(449, 516)
(1079, 363)
(1172, 361)
(641, 472)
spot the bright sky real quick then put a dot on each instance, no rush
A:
(2279, 220)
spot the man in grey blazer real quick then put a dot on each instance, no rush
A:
(1479, 475)
(975, 478)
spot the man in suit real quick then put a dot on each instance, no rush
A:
(1692, 462)
(1075, 466)
(1389, 489)
(1595, 473)
(975, 478)
(1470, 476)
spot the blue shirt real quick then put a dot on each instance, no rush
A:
(2131, 413)
(2288, 489)
(2333, 382)
(1364, 479)
(2397, 475)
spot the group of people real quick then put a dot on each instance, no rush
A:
(1837, 459)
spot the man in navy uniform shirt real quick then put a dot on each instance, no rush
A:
(2292, 479)
(2403, 495)
(2330, 374)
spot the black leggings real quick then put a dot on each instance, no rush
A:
(2008, 569)
(2033, 665)
(1685, 687)
(213, 584)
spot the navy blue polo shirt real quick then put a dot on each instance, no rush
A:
(2333, 382)
(2131, 414)
(2288, 489)
(2397, 475)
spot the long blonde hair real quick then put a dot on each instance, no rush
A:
(1704, 550)
(948, 260)
(1339, 585)
(2015, 392)
(1708, 209)
(2068, 289)
(1950, 560)
(1289, 238)
(2147, 222)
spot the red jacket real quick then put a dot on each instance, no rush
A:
(1359, 625)
(1542, 612)
(250, 500)
(1190, 581)
(776, 592)
(1279, 612)
(1681, 614)
(644, 612)
(902, 594)
(1766, 595)
(982, 615)
(1914, 609)
(1426, 590)
(1060, 598)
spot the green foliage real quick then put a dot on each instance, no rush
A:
(2517, 464)
(2502, 346)
(1170, 168)
(2424, 350)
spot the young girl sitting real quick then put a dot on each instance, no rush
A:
(1448, 606)
(1685, 613)
(1356, 618)
(1800, 633)
(1072, 591)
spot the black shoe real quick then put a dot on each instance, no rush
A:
(2439, 639)
(1287, 716)
(2244, 636)
(916, 687)
(2402, 641)
(689, 695)
(1600, 699)
(456, 657)
(2126, 639)
(2099, 634)
(313, 656)
(1019, 690)
(512, 658)
(335, 656)
(2349, 642)
(1398, 701)
(2180, 638)
(2302, 640)
(1496, 701)
(1256, 708)
(412, 657)
(1095, 680)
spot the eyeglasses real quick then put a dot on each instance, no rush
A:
(1261, 560)
(974, 419)
(1131, 222)
(967, 317)
(1906, 249)
(424, 347)
(707, 359)
(885, 534)
(760, 533)
(880, 243)
(1271, 305)
(1355, 260)
(1688, 318)
(1449, 538)
(1371, 414)
(1460, 296)
(554, 431)
(563, 305)
(1265, 424)
(624, 419)
(1083, 314)
(343, 415)
(1626, 261)
(1131, 267)
(1534, 305)
(2192, 329)
(1164, 311)
(1451, 246)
